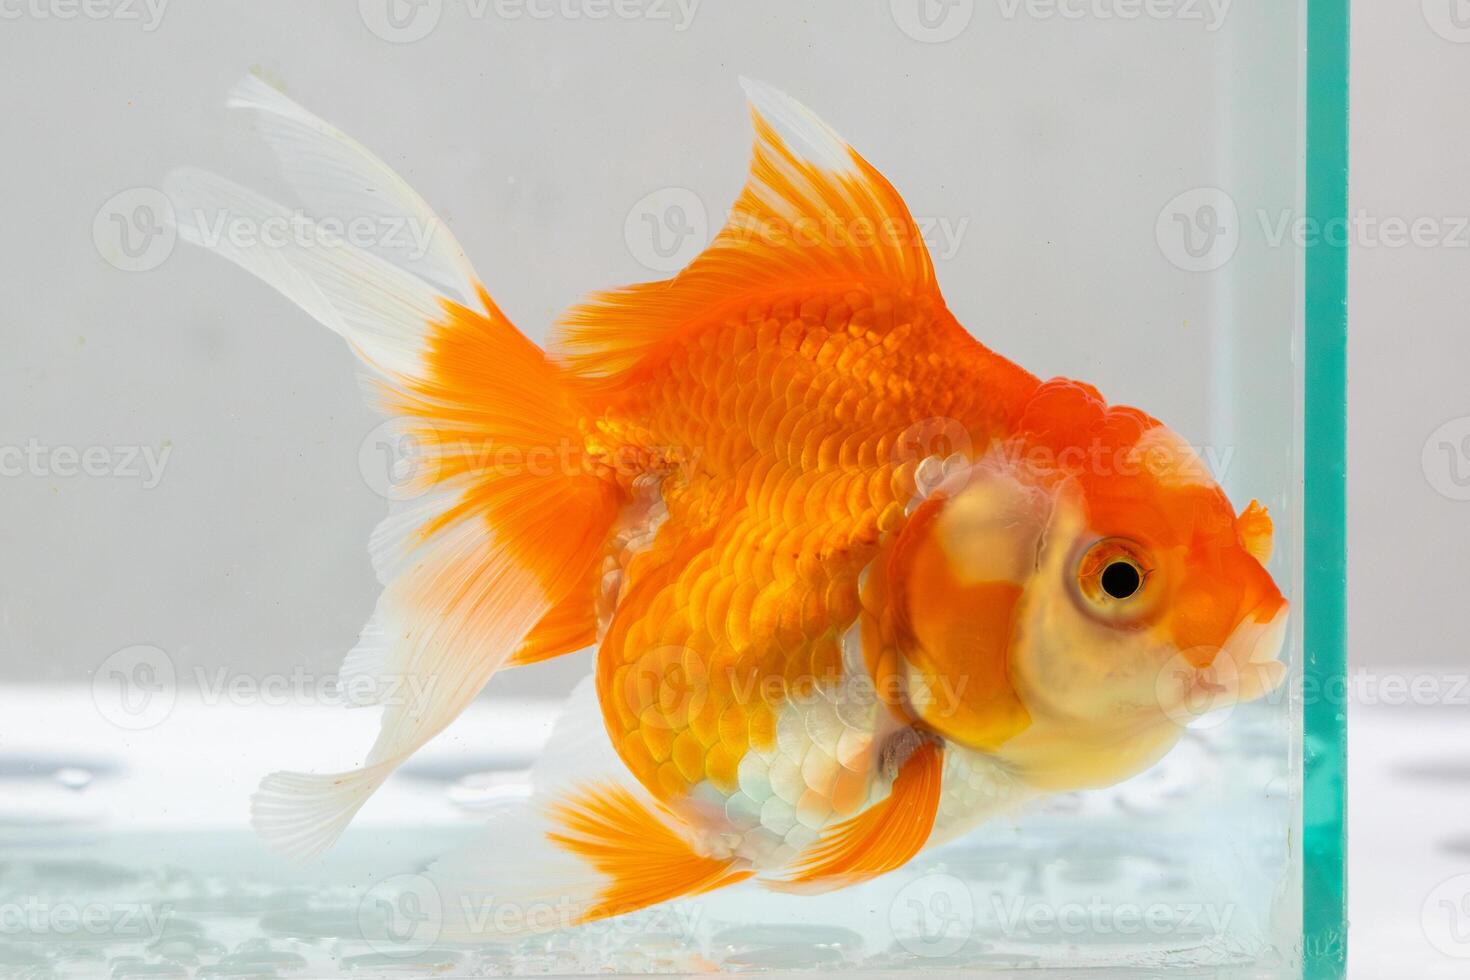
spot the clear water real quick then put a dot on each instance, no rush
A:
(1109, 198)
(1177, 871)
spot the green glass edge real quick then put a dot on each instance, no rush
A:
(1324, 754)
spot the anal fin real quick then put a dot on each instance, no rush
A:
(642, 859)
(883, 837)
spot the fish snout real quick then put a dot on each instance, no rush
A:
(1247, 666)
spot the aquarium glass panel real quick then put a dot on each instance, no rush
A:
(571, 487)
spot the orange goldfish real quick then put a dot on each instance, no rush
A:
(856, 582)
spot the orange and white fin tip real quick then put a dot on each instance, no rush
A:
(813, 212)
(337, 177)
(481, 551)
(589, 843)
(634, 846)
(882, 838)
(570, 626)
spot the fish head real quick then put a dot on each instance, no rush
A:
(1079, 594)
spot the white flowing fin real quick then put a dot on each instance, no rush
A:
(481, 549)
(339, 180)
(383, 311)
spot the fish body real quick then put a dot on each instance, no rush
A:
(856, 582)
(732, 681)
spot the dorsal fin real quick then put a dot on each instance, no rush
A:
(813, 211)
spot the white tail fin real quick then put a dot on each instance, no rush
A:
(483, 550)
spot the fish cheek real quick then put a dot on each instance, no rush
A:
(958, 576)
(958, 661)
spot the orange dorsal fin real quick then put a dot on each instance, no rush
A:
(813, 211)
(881, 838)
(635, 848)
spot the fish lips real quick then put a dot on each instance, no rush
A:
(1246, 667)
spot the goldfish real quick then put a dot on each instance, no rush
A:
(856, 583)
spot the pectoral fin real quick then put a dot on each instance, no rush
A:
(881, 838)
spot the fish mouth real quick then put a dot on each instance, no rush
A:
(1246, 667)
(1254, 648)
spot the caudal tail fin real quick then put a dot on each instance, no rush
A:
(500, 521)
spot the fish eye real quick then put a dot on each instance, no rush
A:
(1113, 579)
(1121, 579)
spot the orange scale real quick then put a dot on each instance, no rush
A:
(626, 714)
(704, 724)
(895, 336)
(812, 342)
(768, 328)
(792, 330)
(738, 620)
(763, 429)
(717, 607)
(813, 309)
(734, 726)
(735, 547)
(792, 628)
(786, 554)
(741, 688)
(688, 755)
(813, 607)
(762, 727)
(670, 782)
(771, 687)
(701, 581)
(829, 449)
(865, 531)
(890, 518)
(657, 736)
(826, 658)
(849, 356)
(826, 357)
(633, 750)
(722, 767)
(789, 422)
(816, 501)
(765, 612)
(775, 486)
(790, 508)
(839, 316)
(843, 602)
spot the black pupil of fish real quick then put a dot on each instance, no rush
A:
(1120, 580)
